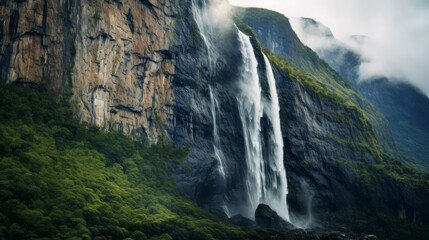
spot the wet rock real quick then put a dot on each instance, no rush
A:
(267, 218)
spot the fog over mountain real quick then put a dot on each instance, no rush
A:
(397, 30)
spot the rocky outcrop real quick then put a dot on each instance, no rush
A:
(267, 218)
(321, 138)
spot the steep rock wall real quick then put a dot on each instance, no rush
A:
(331, 157)
(35, 41)
(123, 70)
(113, 55)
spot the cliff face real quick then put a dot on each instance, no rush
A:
(122, 77)
(33, 41)
(142, 68)
(328, 147)
(113, 55)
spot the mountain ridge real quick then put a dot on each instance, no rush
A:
(405, 106)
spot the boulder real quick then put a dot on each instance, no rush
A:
(267, 218)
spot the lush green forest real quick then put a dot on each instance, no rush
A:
(60, 179)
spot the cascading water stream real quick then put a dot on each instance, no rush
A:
(216, 139)
(203, 17)
(276, 192)
(251, 111)
(265, 176)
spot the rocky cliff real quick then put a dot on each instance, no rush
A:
(143, 68)
(113, 55)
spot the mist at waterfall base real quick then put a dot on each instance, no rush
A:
(262, 170)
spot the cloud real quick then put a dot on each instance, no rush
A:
(398, 29)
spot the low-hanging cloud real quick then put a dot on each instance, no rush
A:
(398, 31)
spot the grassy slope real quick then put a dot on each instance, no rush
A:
(63, 180)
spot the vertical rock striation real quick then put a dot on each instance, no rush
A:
(123, 70)
(113, 55)
(35, 42)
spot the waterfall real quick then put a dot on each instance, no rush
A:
(265, 178)
(277, 191)
(216, 139)
(203, 18)
(202, 15)
(264, 174)
(251, 111)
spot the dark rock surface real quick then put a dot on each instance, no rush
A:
(267, 218)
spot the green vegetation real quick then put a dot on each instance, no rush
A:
(97, 16)
(389, 168)
(415, 147)
(63, 180)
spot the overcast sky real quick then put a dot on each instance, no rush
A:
(398, 28)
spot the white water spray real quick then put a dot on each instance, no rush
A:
(202, 18)
(211, 18)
